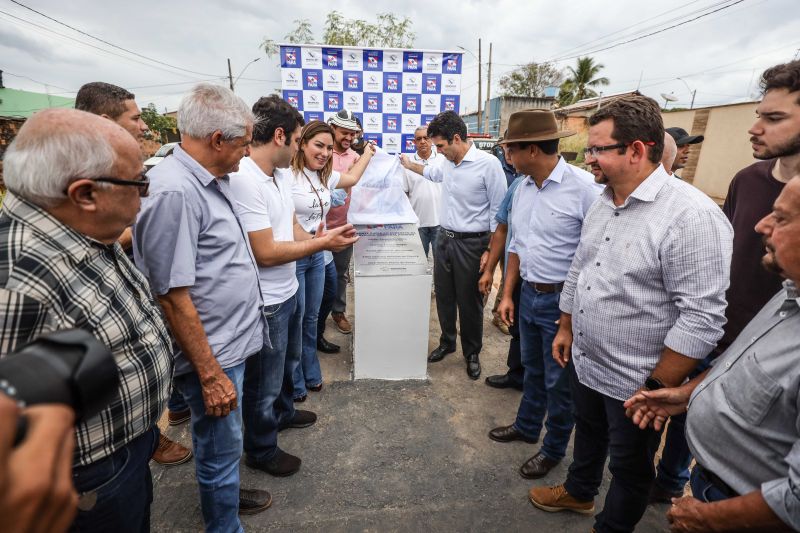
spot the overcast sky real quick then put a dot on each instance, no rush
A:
(720, 55)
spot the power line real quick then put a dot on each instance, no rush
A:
(107, 42)
(39, 82)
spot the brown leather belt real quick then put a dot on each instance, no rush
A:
(547, 288)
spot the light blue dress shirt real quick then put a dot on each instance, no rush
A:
(548, 221)
(503, 215)
(188, 234)
(471, 191)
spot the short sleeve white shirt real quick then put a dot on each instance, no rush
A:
(266, 202)
(312, 199)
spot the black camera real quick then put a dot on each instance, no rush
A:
(69, 367)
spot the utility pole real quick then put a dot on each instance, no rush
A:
(480, 101)
(488, 109)
(230, 74)
(691, 106)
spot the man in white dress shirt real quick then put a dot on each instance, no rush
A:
(473, 186)
(423, 194)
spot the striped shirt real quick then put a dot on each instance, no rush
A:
(53, 278)
(647, 274)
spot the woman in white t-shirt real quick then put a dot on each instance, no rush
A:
(313, 179)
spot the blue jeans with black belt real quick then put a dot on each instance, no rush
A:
(120, 486)
(704, 489)
(545, 386)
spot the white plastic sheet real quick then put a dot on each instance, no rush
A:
(378, 198)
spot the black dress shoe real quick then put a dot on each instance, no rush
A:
(537, 466)
(473, 366)
(281, 465)
(327, 347)
(301, 419)
(439, 353)
(503, 381)
(252, 501)
(509, 434)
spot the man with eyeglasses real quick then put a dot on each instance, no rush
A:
(423, 194)
(74, 182)
(119, 105)
(642, 304)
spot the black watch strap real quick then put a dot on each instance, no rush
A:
(652, 383)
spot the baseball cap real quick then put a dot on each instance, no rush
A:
(344, 119)
(682, 136)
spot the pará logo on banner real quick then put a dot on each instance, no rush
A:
(352, 81)
(391, 83)
(293, 101)
(372, 103)
(410, 145)
(452, 64)
(430, 84)
(391, 124)
(372, 61)
(333, 61)
(333, 101)
(312, 80)
(291, 57)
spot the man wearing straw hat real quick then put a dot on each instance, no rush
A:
(547, 215)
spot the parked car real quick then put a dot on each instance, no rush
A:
(163, 152)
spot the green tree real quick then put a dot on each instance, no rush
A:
(389, 31)
(531, 80)
(156, 121)
(581, 82)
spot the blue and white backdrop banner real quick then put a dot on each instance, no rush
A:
(391, 91)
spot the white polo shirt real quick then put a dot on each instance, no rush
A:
(265, 202)
(424, 195)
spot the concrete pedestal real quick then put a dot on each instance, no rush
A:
(392, 303)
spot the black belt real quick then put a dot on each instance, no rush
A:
(547, 288)
(714, 479)
(460, 235)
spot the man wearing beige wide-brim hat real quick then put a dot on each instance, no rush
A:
(547, 216)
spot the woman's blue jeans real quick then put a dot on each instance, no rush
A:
(311, 282)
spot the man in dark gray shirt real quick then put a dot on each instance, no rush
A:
(743, 424)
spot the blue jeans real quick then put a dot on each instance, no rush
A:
(672, 472)
(217, 444)
(704, 490)
(123, 487)
(545, 386)
(311, 279)
(268, 387)
(328, 297)
(602, 429)
(176, 402)
(428, 236)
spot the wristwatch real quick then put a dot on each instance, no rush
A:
(652, 383)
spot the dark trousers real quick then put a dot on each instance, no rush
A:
(328, 296)
(342, 262)
(516, 372)
(602, 429)
(122, 486)
(455, 276)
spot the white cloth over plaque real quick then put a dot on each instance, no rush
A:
(378, 198)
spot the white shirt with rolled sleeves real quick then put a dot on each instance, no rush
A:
(648, 274)
(425, 196)
(547, 222)
(472, 191)
(266, 202)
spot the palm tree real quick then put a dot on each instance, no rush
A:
(581, 81)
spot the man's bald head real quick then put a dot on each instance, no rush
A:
(56, 146)
(670, 152)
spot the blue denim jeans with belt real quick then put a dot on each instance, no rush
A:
(118, 488)
(217, 444)
(311, 283)
(428, 236)
(268, 383)
(545, 386)
(703, 489)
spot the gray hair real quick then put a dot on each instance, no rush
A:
(41, 161)
(208, 108)
(421, 128)
(670, 152)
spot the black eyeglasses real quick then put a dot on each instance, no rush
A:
(143, 183)
(594, 150)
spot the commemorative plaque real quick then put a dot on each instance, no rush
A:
(389, 250)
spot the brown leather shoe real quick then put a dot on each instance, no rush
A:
(342, 324)
(253, 501)
(170, 453)
(178, 417)
(537, 466)
(555, 499)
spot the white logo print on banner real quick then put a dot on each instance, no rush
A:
(390, 91)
